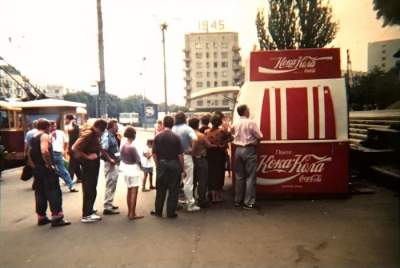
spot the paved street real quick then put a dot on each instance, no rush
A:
(360, 231)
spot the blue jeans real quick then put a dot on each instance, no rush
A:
(63, 172)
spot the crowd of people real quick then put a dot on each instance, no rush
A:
(190, 156)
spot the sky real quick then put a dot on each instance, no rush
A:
(55, 41)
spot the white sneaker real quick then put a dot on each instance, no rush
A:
(192, 208)
(91, 218)
(182, 201)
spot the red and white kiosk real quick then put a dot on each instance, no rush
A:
(298, 98)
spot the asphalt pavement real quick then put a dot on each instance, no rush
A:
(359, 231)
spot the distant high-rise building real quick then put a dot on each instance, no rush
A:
(212, 64)
(55, 91)
(381, 54)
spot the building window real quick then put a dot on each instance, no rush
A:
(224, 45)
(207, 55)
(215, 55)
(208, 102)
(383, 65)
(197, 45)
(199, 84)
(198, 55)
(224, 73)
(207, 46)
(200, 103)
(224, 64)
(224, 55)
(208, 65)
(208, 84)
(225, 83)
(225, 102)
(216, 102)
(215, 45)
(383, 58)
(384, 51)
(215, 64)
(199, 74)
(215, 74)
(208, 74)
(215, 83)
(199, 65)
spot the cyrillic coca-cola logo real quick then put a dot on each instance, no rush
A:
(277, 170)
(287, 65)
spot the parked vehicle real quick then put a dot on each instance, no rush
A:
(129, 119)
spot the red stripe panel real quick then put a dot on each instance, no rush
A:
(265, 125)
(316, 113)
(330, 125)
(297, 115)
(278, 114)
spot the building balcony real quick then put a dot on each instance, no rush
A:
(236, 58)
(188, 87)
(236, 67)
(187, 59)
(187, 69)
(186, 50)
(188, 78)
(236, 48)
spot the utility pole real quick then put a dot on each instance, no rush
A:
(163, 29)
(102, 101)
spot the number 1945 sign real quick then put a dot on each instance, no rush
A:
(212, 25)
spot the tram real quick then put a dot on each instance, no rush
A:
(16, 118)
(12, 130)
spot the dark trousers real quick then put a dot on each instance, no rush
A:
(47, 189)
(74, 167)
(201, 177)
(168, 178)
(90, 170)
(245, 174)
(216, 168)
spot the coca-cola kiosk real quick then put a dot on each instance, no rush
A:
(298, 98)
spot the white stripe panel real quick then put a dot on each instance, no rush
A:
(310, 110)
(283, 114)
(321, 105)
(272, 112)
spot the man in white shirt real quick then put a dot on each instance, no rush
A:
(187, 136)
(59, 143)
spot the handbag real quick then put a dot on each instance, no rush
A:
(27, 173)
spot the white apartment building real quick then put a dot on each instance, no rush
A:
(11, 82)
(381, 54)
(212, 61)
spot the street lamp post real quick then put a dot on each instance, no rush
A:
(163, 29)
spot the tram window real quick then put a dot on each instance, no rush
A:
(19, 120)
(4, 119)
(11, 119)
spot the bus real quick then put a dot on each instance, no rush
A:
(129, 119)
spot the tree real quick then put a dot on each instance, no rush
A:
(84, 97)
(389, 10)
(296, 24)
(376, 89)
